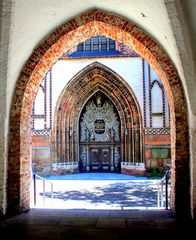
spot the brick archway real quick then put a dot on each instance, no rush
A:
(89, 24)
(93, 78)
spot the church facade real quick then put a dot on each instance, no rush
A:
(101, 107)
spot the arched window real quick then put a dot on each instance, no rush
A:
(97, 43)
(157, 101)
(39, 110)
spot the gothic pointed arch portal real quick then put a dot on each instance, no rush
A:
(97, 116)
(80, 28)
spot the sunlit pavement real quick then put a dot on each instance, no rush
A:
(97, 191)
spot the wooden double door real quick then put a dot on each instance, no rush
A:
(100, 159)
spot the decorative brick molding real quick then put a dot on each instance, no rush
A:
(45, 132)
(91, 23)
(144, 92)
(154, 131)
(64, 168)
(137, 169)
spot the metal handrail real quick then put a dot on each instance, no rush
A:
(160, 190)
(44, 187)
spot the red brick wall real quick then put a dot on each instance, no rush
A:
(41, 141)
(157, 143)
(158, 139)
(41, 154)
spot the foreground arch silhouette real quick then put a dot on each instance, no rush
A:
(80, 28)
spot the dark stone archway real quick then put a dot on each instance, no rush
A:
(91, 23)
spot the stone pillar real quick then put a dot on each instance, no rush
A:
(112, 158)
(87, 159)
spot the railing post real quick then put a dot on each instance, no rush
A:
(44, 191)
(158, 196)
(44, 188)
(166, 191)
(52, 191)
(34, 188)
(162, 182)
(166, 186)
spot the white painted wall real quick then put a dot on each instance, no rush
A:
(130, 69)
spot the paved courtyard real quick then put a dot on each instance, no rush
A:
(98, 191)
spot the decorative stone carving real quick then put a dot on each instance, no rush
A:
(83, 155)
(116, 156)
(99, 123)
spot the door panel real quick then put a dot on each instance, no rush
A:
(95, 155)
(100, 158)
(94, 159)
(105, 158)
